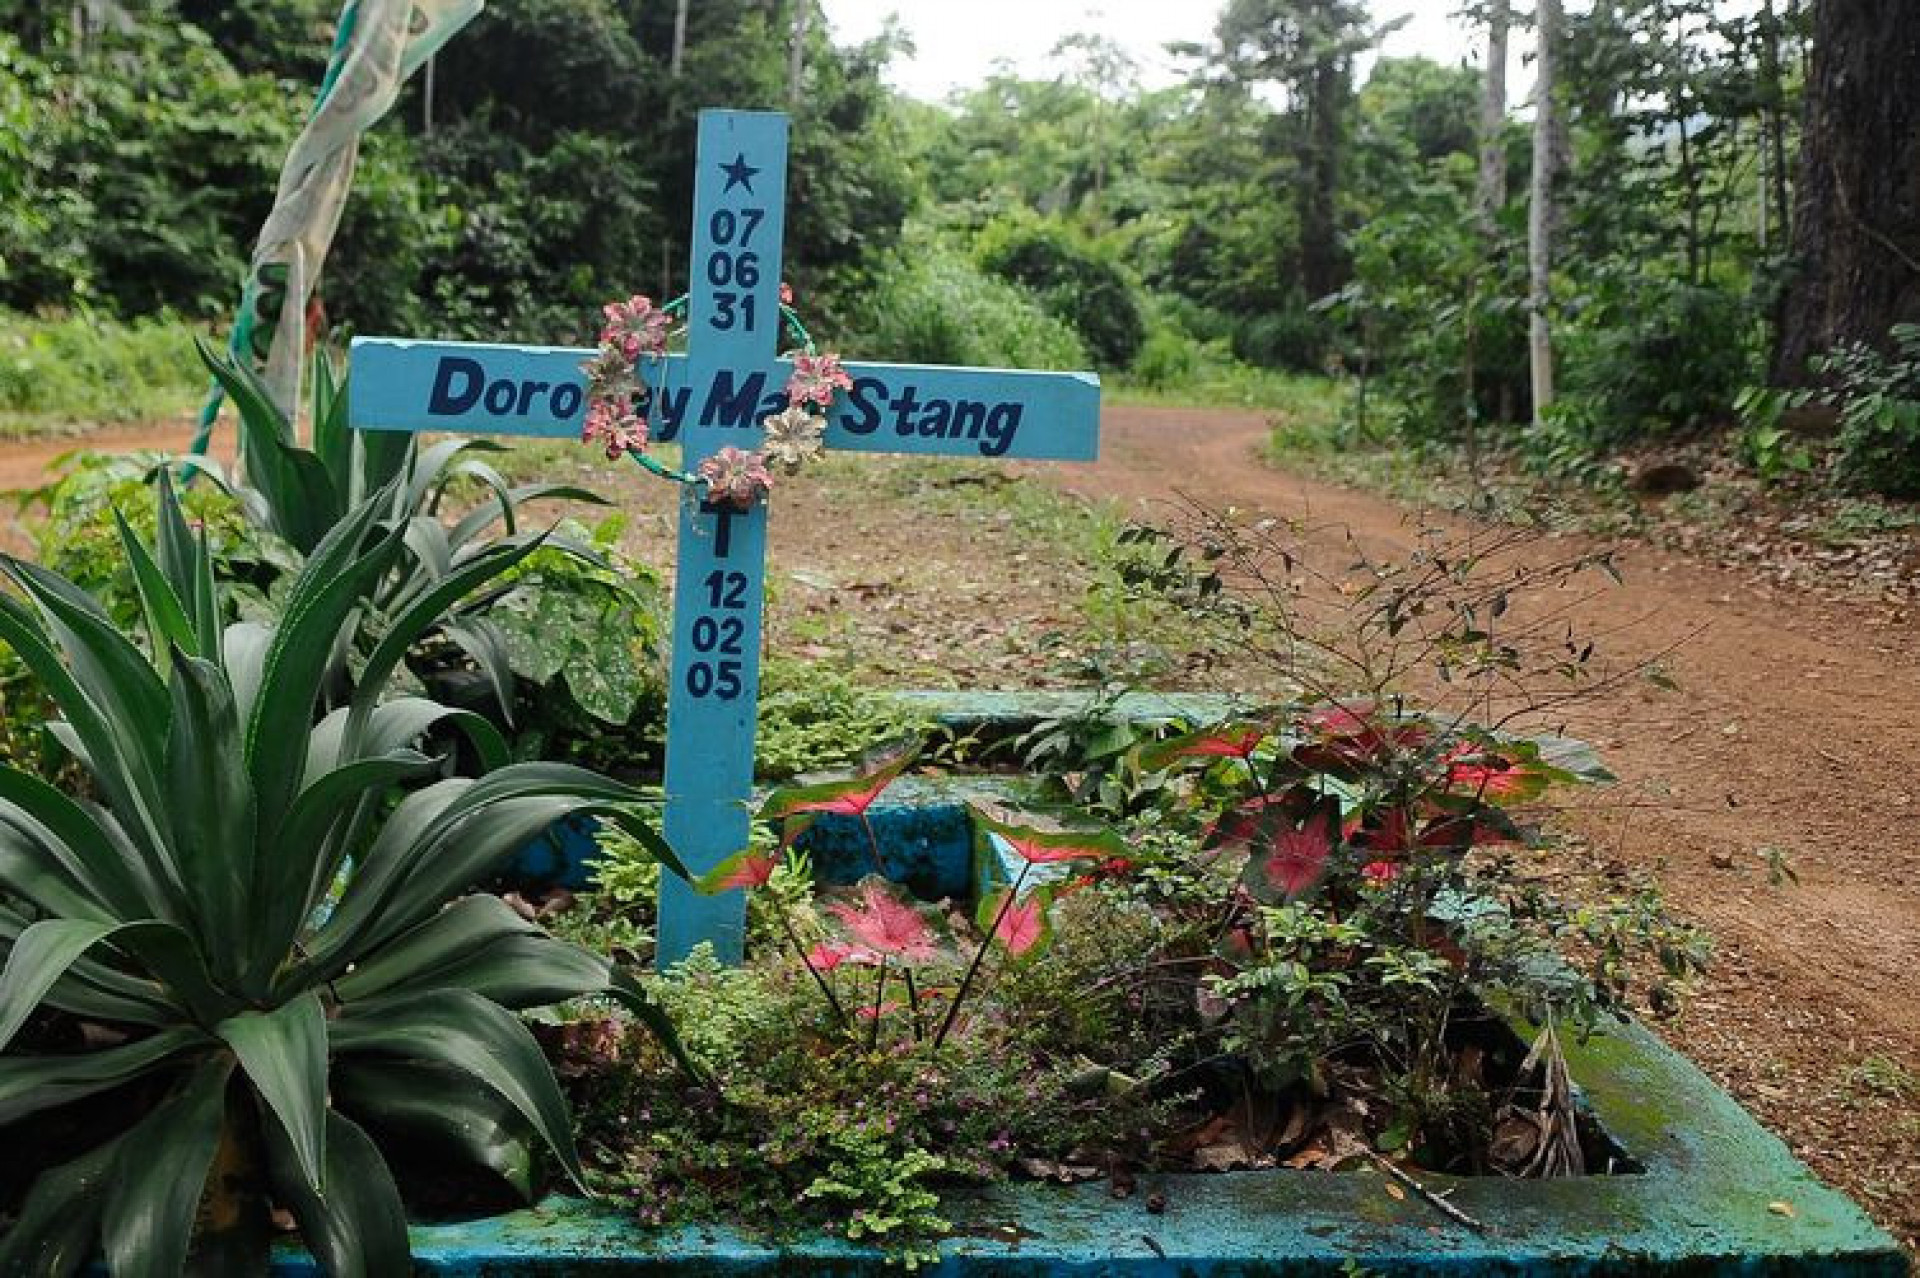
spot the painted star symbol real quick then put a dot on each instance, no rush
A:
(739, 173)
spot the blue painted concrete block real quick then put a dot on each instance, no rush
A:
(562, 857)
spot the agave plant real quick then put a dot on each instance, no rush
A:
(278, 952)
(300, 493)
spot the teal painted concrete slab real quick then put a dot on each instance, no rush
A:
(1719, 1196)
(924, 830)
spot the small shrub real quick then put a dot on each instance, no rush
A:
(1291, 337)
(813, 718)
(588, 620)
(931, 306)
(1072, 280)
(77, 536)
(1167, 361)
(284, 959)
(1878, 396)
(1656, 355)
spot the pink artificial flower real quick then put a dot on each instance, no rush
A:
(786, 293)
(735, 478)
(635, 327)
(815, 379)
(619, 428)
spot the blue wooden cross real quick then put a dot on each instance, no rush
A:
(717, 394)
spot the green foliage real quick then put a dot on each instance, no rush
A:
(1765, 444)
(814, 719)
(930, 306)
(1167, 360)
(1878, 395)
(277, 938)
(42, 254)
(299, 494)
(816, 1131)
(1072, 280)
(62, 370)
(1437, 333)
(482, 225)
(1359, 924)
(156, 176)
(1656, 355)
(586, 619)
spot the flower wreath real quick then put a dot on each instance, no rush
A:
(732, 478)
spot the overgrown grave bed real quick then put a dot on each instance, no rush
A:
(1671, 1173)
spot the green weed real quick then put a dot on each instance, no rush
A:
(61, 373)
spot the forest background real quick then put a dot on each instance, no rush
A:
(1707, 221)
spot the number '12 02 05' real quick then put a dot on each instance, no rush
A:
(720, 640)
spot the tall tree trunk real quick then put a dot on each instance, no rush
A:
(1490, 196)
(1492, 191)
(679, 37)
(1856, 225)
(1774, 90)
(797, 62)
(1540, 205)
(1320, 264)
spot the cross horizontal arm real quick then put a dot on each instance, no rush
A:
(924, 409)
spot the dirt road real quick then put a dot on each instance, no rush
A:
(1796, 726)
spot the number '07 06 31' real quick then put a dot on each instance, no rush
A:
(733, 268)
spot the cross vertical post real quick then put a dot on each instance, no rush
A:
(733, 323)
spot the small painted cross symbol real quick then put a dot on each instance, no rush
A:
(717, 394)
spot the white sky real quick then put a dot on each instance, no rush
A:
(958, 41)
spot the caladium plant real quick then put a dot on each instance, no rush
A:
(279, 954)
(884, 929)
(1345, 795)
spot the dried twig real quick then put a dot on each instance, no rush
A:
(1427, 1196)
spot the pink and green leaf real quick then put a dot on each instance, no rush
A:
(1222, 741)
(1288, 857)
(1041, 847)
(1496, 775)
(828, 955)
(879, 919)
(746, 870)
(1022, 926)
(851, 797)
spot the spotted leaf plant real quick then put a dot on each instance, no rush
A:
(258, 922)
